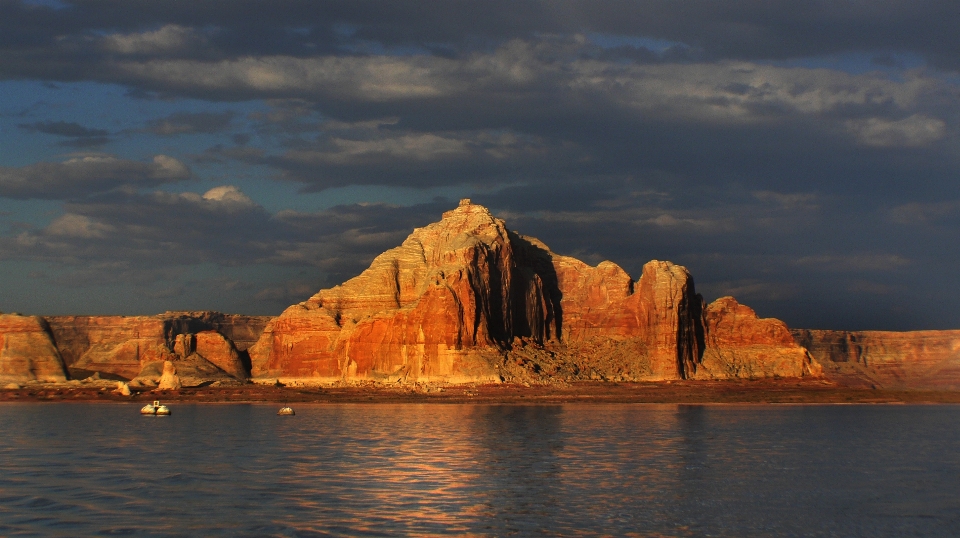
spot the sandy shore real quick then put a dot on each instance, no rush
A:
(687, 392)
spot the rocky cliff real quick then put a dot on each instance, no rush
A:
(741, 345)
(122, 347)
(466, 299)
(913, 359)
(27, 352)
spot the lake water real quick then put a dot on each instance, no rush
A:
(481, 470)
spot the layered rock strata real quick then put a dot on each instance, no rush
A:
(27, 352)
(114, 346)
(465, 299)
(741, 345)
(438, 306)
(122, 347)
(913, 359)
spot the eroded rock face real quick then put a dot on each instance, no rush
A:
(113, 345)
(741, 345)
(221, 352)
(426, 309)
(659, 313)
(450, 302)
(913, 359)
(121, 346)
(27, 352)
(243, 331)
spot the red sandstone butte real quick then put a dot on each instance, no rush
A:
(27, 352)
(428, 309)
(741, 345)
(465, 299)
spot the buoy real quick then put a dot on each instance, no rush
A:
(286, 411)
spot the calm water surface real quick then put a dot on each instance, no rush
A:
(487, 470)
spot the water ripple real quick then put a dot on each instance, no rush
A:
(480, 470)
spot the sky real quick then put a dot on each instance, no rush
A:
(240, 155)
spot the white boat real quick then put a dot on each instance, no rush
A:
(155, 408)
(286, 410)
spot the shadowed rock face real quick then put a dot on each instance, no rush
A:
(465, 299)
(27, 352)
(914, 359)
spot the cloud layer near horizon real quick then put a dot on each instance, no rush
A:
(802, 158)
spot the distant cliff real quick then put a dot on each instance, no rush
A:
(914, 359)
(208, 346)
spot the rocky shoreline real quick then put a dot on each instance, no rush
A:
(762, 391)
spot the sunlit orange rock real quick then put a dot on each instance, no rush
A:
(214, 347)
(122, 346)
(741, 345)
(27, 352)
(449, 303)
(114, 345)
(659, 313)
(426, 309)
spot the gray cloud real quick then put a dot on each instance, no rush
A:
(80, 136)
(564, 116)
(170, 38)
(787, 254)
(64, 128)
(83, 175)
(750, 31)
(222, 226)
(191, 123)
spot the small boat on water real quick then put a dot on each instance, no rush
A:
(286, 410)
(155, 408)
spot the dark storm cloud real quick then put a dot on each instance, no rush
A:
(539, 115)
(164, 231)
(421, 159)
(746, 30)
(151, 44)
(64, 128)
(191, 123)
(84, 175)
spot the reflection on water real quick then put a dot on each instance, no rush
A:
(497, 470)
